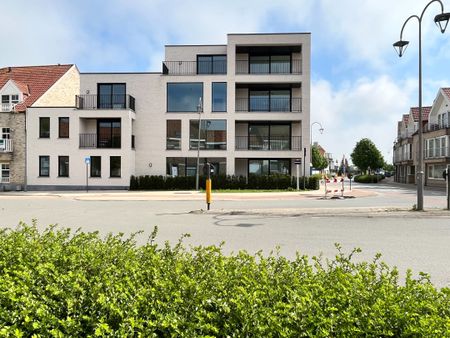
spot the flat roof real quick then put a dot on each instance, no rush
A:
(289, 33)
(195, 45)
(118, 73)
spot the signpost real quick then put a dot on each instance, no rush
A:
(446, 176)
(298, 162)
(87, 161)
(304, 168)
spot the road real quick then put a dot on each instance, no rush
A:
(295, 222)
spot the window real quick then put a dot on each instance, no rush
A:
(211, 64)
(435, 171)
(96, 166)
(109, 133)
(266, 64)
(173, 135)
(270, 100)
(219, 97)
(269, 137)
(269, 167)
(5, 98)
(63, 166)
(14, 98)
(63, 127)
(213, 134)
(185, 166)
(111, 96)
(436, 147)
(6, 133)
(4, 177)
(184, 97)
(44, 166)
(114, 166)
(44, 127)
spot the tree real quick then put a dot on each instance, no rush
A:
(365, 155)
(318, 161)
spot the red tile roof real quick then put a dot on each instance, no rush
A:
(33, 81)
(425, 113)
(446, 92)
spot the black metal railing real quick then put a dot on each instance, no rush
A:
(248, 67)
(95, 141)
(268, 104)
(123, 101)
(273, 143)
(194, 67)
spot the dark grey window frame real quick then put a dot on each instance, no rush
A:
(92, 174)
(212, 56)
(60, 158)
(60, 119)
(112, 101)
(185, 83)
(41, 158)
(269, 159)
(111, 168)
(212, 97)
(270, 62)
(44, 133)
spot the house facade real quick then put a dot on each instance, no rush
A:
(20, 89)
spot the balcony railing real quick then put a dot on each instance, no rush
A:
(194, 67)
(273, 143)
(436, 152)
(123, 101)
(7, 107)
(248, 67)
(435, 126)
(94, 141)
(6, 145)
(268, 104)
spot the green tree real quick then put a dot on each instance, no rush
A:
(318, 161)
(365, 155)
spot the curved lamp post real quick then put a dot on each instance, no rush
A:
(310, 135)
(400, 46)
(199, 111)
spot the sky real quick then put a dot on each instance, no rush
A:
(359, 86)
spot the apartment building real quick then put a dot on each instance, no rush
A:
(243, 106)
(20, 89)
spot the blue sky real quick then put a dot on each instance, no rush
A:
(359, 86)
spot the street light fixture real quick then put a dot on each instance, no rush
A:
(197, 170)
(400, 46)
(321, 130)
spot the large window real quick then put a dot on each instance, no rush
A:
(436, 147)
(269, 137)
(213, 134)
(211, 64)
(185, 166)
(173, 135)
(269, 167)
(96, 166)
(63, 166)
(219, 97)
(109, 133)
(435, 171)
(4, 177)
(184, 97)
(114, 166)
(44, 127)
(270, 100)
(265, 64)
(44, 166)
(63, 127)
(111, 95)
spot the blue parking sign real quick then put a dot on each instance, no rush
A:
(87, 160)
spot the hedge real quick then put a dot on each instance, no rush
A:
(222, 182)
(368, 178)
(57, 283)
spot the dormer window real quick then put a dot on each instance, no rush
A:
(8, 102)
(14, 99)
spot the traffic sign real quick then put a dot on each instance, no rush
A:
(298, 161)
(87, 160)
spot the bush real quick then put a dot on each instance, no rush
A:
(63, 284)
(368, 178)
(280, 182)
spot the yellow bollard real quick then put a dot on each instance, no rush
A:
(208, 192)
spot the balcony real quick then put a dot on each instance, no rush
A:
(437, 126)
(123, 101)
(6, 145)
(274, 143)
(95, 141)
(263, 68)
(194, 67)
(269, 104)
(439, 152)
(7, 107)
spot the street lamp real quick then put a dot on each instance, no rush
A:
(321, 130)
(400, 46)
(199, 111)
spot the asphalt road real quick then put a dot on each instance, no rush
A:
(304, 223)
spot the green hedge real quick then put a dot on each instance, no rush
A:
(222, 182)
(368, 178)
(64, 284)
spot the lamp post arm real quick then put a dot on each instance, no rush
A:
(424, 10)
(406, 21)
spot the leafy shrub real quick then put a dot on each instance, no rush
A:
(368, 178)
(282, 182)
(59, 283)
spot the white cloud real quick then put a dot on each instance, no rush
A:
(368, 108)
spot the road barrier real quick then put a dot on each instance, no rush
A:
(334, 187)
